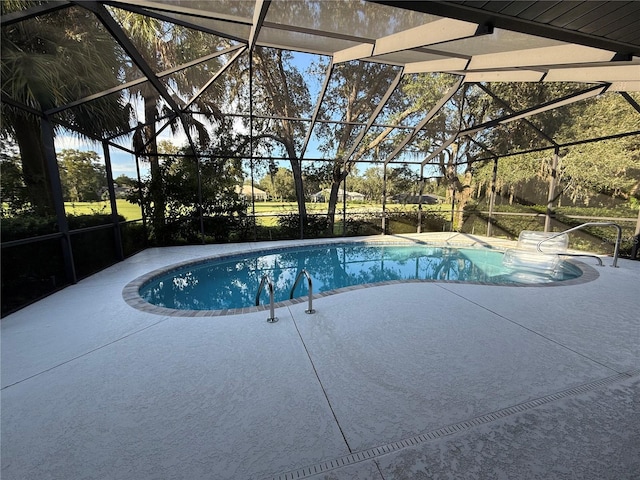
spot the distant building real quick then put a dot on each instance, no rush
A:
(323, 196)
(245, 193)
(120, 191)
(427, 199)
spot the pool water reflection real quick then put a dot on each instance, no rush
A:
(232, 282)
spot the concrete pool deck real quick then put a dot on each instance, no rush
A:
(403, 381)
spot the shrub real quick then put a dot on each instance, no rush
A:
(315, 227)
(27, 226)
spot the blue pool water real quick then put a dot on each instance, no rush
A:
(232, 282)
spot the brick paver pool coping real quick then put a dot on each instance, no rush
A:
(131, 294)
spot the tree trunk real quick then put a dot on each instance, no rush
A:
(338, 177)
(296, 168)
(463, 196)
(34, 164)
(461, 191)
(156, 185)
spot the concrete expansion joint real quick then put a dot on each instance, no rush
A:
(85, 354)
(632, 373)
(372, 453)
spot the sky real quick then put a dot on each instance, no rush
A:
(123, 163)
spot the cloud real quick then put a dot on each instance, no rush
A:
(122, 163)
(71, 142)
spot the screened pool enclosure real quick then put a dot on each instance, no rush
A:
(237, 120)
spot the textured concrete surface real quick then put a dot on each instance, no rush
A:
(420, 380)
(590, 436)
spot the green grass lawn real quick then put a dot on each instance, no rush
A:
(132, 212)
(292, 207)
(286, 207)
(128, 210)
(267, 212)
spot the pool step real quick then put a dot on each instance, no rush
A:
(531, 261)
(527, 257)
(529, 240)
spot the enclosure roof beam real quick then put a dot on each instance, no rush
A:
(432, 113)
(67, 125)
(609, 73)
(504, 104)
(565, 145)
(37, 10)
(503, 75)
(392, 88)
(591, 92)
(434, 66)
(317, 120)
(21, 106)
(315, 32)
(263, 157)
(112, 26)
(96, 96)
(631, 101)
(143, 79)
(509, 22)
(200, 60)
(357, 52)
(438, 31)
(485, 148)
(121, 37)
(170, 116)
(440, 149)
(172, 7)
(316, 111)
(170, 119)
(574, 97)
(432, 33)
(553, 55)
(155, 13)
(633, 86)
(259, 14)
(215, 76)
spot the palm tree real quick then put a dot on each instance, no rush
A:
(164, 45)
(51, 61)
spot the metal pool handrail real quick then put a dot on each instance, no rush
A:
(267, 280)
(310, 283)
(590, 224)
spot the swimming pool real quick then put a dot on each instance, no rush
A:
(230, 283)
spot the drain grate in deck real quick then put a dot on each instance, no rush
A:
(448, 430)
